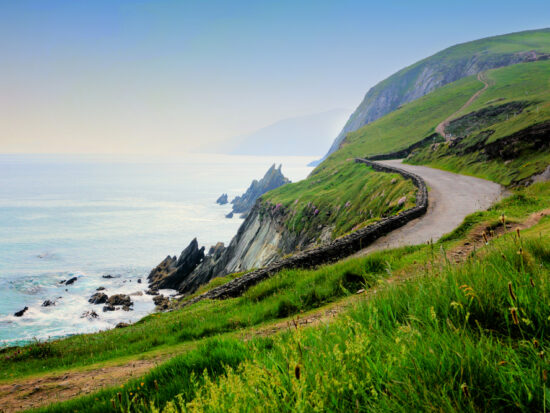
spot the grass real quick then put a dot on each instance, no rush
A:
(457, 337)
(525, 84)
(344, 199)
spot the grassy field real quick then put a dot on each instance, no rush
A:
(528, 86)
(456, 337)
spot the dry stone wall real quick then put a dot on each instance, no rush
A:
(334, 251)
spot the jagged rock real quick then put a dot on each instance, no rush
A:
(126, 308)
(48, 303)
(152, 291)
(222, 200)
(230, 215)
(21, 312)
(171, 273)
(107, 276)
(98, 298)
(272, 179)
(71, 281)
(120, 299)
(139, 281)
(162, 302)
(122, 325)
(109, 307)
(89, 314)
(100, 288)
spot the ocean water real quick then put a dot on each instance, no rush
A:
(87, 217)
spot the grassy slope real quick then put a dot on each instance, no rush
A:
(528, 83)
(339, 179)
(444, 341)
(489, 50)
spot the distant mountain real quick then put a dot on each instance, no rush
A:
(300, 136)
(442, 68)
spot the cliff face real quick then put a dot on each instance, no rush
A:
(272, 179)
(442, 68)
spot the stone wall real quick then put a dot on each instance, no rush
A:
(403, 153)
(334, 251)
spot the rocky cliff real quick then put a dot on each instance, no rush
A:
(442, 68)
(272, 179)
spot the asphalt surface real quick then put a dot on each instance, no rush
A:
(451, 198)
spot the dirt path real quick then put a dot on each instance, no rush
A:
(451, 198)
(32, 392)
(441, 127)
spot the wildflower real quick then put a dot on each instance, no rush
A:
(156, 385)
(142, 384)
(514, 313)
(113, 403)
(520, 251)
(119, 396)
(536, 343)
(511, 292)
(503, 219)
(544, 376)
(517, 232)
(532, 282)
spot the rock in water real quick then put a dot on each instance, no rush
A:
(272, 179)
(48, 303)
(89, 315)
(230, 215)
(120, 299)
(98, 298)
(109, 307)
(71, 281)
(222, 200)
(21, 312)
(171, 273)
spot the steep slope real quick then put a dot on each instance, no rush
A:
(504, 135)
(443, 68)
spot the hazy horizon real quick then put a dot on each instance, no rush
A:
(171, 77)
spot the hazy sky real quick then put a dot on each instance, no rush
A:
(169, 76)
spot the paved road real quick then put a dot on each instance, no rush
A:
(451, 198)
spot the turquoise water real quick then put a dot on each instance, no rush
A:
(62, 217)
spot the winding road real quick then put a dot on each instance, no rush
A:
(451, 198)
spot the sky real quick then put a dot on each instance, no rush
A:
(168, 77)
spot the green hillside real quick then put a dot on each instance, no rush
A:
(456, 325)
(503, 135)
(447, 66)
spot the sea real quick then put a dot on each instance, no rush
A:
(107, 221)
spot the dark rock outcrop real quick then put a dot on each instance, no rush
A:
(109, 307)
(108, 276)
(21, 312)
(100, 288)
(120, 299)
(162, 303)
(71, 281)
(98, 298)
(122, 325)
(172, 272)
(48, 303)
(230, 215)
(272, 179)
(222, 200)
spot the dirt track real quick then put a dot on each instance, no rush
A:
(441, 127)
(451, 198)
